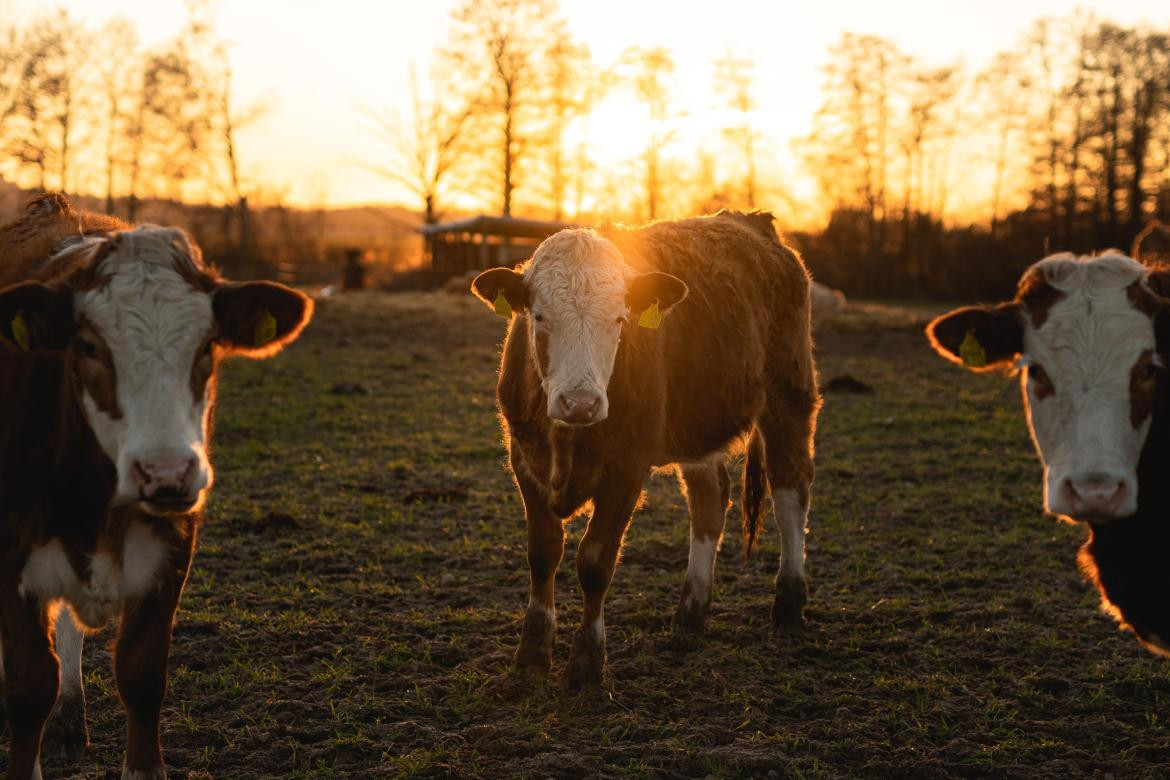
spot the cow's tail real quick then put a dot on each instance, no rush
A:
(755, 488)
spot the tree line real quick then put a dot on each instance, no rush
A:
(1065, 136)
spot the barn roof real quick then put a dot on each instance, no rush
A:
(510, 227)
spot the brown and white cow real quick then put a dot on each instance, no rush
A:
(644, 348)
(109, 340)
(1091, 334)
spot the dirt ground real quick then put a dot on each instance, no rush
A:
(361, 577)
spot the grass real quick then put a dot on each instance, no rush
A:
(361, 575)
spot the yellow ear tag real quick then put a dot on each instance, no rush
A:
(265, 329)
(501, 305)
(651, 317)
(20, 331)
(972, 352)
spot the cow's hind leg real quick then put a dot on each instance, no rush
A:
(708, 491)
(546, 547)
(597, 557)
(787, 426)
(66, 731)
(31, 679)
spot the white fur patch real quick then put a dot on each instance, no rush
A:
(48, 575)
(534, 604)
(701, 567)
(153, 322)
(69, 640)
(158, 773)
(791, 518)
(577, 281)
(1088, 345)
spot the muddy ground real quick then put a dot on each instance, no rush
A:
(358, 589)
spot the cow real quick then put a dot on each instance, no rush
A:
(826, 302)
(110, 337)
(1091, 335)
(644, 348)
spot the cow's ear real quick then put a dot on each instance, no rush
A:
(651, 295)
(979, 337)
(1152, 245)
(257, 319)
(502, 289)
(35, 317)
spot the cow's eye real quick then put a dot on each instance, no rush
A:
(622, 320)
(87, 348)
(1151, 370)
(538, 317)
(206, 351)
(1037, 374)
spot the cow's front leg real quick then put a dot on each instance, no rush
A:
(546, 546)
(140, 665)
(31, 678)
(708, 492)
(596, 560)
(66, 731)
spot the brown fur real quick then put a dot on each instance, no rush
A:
(734, 357)
(1152, 245)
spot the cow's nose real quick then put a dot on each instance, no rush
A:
(164, 476)
(1095, 495)
(579, 407)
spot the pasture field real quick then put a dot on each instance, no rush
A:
(358, 590)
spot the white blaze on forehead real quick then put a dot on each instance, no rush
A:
(154, 322)
(577, 283)
(1087, 345)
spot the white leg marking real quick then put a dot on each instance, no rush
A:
(599, 626)
(791, 518)
(158, 773)
(701, 567)
(70, 639)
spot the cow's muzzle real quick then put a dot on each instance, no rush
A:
(577, 407)
(167, 482)
(1096, 497)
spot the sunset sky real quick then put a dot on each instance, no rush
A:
(319, 65)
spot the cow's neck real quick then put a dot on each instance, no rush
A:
(47, 439)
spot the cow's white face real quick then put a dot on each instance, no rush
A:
(579, 295)
(1083, 330)
(141, 322)
(144, 346)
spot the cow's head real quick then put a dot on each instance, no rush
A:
(1083, 330)
(576, 296)
(141, 323)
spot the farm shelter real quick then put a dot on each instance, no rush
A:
(483, 242)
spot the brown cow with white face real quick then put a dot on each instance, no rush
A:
(1090, 335)
(109, 341)
(657, 346)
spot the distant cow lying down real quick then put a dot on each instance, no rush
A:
(649, 347)
(1092, 335)
(109, 341)
(826, 302)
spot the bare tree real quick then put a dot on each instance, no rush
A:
(734, 81)
(118, 64)
(648, 71)
(426, 147)
(496, 48)
(571, 89)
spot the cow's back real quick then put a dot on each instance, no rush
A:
(48, 223)
(745, 319)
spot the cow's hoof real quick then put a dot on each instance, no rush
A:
(66, 733)
(788, 607)
(586, 668)
(691, 615)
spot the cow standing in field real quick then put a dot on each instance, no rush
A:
(662, 345)
(1092, 336)
(109, 340)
